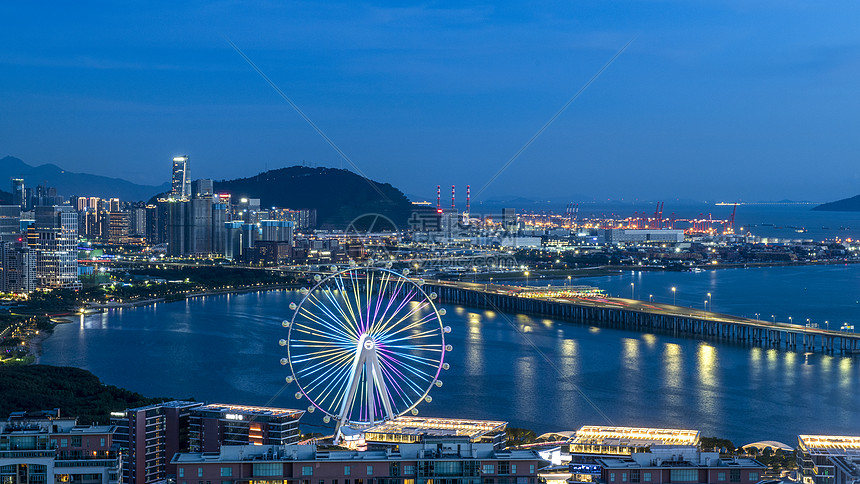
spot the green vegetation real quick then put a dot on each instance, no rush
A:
(74, 391)
(339, 196)
(776, 460)
(716, 444)
(517, 436)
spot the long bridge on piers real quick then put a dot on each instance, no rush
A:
(643, 316)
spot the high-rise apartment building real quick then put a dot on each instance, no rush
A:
(19, 195)
(118, 227)
(10, 223)
(181, 187)
(151, 435)
(17, 268)
(54, 236)
(214, 425)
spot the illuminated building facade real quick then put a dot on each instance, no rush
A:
(405, 429)
(54, 236)
(181, 183)
(594, 440)
(828, 459)
(214, 425)
(151, 435)
(17, 267)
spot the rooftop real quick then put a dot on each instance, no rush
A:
(431, 426)
(824, 443)
(635, 436)
(251, 410)
(170, 404)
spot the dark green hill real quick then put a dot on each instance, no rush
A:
(76, 392)
(339, 196)
(845, 205)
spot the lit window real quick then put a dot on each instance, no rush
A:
(181, 472)
(611, 477)
(753, 476)
(646, 476)
(721, 476)
(199, 472)
(307, 470)
(623, 477)
(369, 470)
(346, 470)
(489, 469)
(226, 472)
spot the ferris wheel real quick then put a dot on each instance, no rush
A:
(365, 345)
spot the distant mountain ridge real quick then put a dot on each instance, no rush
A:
(845, 205)
(339, 196)
(70, 183)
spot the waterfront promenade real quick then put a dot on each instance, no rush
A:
(644, 316)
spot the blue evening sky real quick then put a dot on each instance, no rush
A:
(713, 100)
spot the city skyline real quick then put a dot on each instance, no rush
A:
(726, 100)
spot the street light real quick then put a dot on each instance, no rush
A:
(711, 304)
(790, 321)
(632, 286)
(650, 297)
(773, 318)
(568, 280)
(527, 278)
(756, 316)
(673, 296)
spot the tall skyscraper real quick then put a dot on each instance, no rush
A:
(181, 187)
(54, 236)
(18, 192)
(17, 267)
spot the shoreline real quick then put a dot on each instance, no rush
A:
(34, 344)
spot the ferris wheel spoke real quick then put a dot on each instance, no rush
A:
(333, 322)
(346, 320)
(380, 319)
(425, 320)
(336, 333)
(418, 360)
(333, 366)
(398, 324)
(384, 323)
(311, 369)
(423, 334)
(409, 382)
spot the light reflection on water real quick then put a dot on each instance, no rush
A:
(226, 350)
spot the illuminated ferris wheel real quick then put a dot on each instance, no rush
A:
(365, 345)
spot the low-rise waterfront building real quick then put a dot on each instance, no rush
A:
(828, 459)
(664, 464)
(434, 461)
(46, 449)
(609, 440)
(402, 430)
(214, 425)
